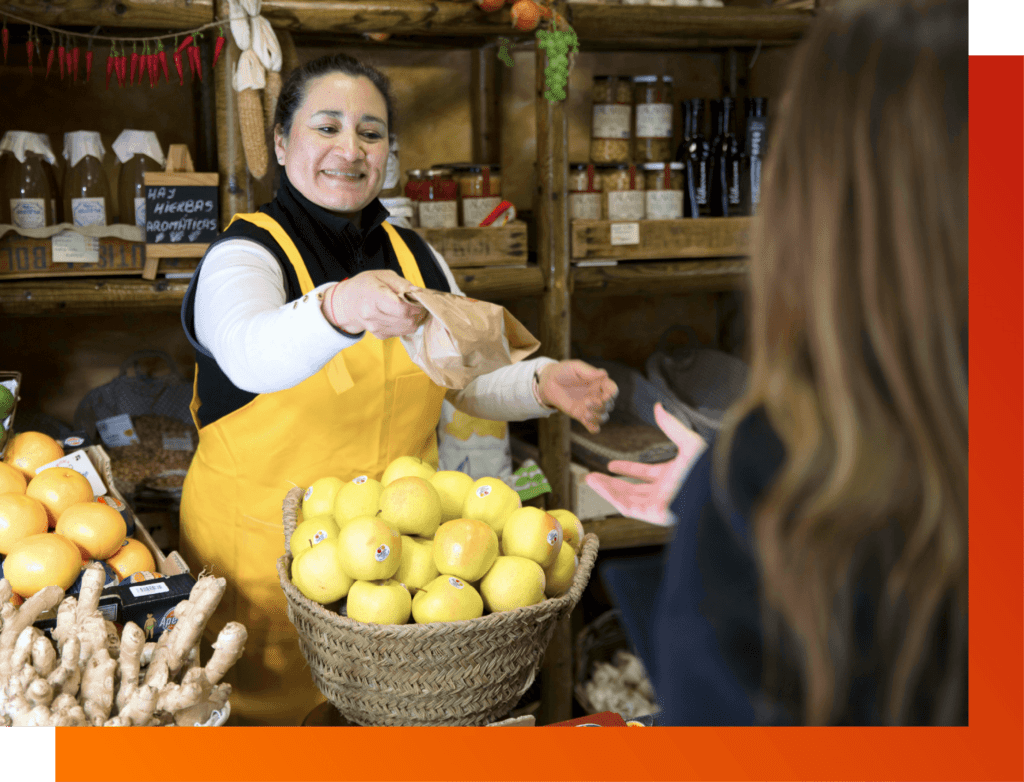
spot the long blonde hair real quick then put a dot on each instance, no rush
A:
(858, 298)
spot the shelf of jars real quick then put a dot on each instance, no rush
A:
(622, 240)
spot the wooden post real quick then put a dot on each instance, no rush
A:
(552, 225)
(235, 187)
(485, 89)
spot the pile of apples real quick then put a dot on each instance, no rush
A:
(427, 545)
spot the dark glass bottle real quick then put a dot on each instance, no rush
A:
(757, 131)
(695, 154)
(728, 161)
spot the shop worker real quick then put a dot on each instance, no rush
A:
(295, 314)
(818, 571)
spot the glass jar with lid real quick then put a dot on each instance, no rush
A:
(28, 187)
(86, 187)
(653, 106)
(611, 119)
(622, 189)
(584, 187)
(438, 205)
(479, 193)
(415, 179)
(663, 191)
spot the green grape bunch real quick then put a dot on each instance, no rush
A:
(557, 44)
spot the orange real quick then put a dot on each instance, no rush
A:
(42, 560)
(11, 480)
(20, 516)
(97, 529)
(28, 451)
(58, 488)
(132, 557)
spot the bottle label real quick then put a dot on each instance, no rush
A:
(584, 206)
(28, 212)
(756, 128)
(611, 120)
(735, 177)
(699, 181)
(654, 120)
(89, 211)
(626, 205)
(664, 204)
(439, 214)
(474, 210)
(140, 212)
(755, 182)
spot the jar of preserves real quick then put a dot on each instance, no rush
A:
(139, 151)
(28, 195)
(86, 189)
(479, 192)
(653, 105)
(623, 192)
(663, 191)
(584, 187)
(438, 205)
(611, 120)
(415, 180)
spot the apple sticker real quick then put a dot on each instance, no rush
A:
(455, 582)
(360, 479)
(552, 537)
(308, 494)
(483, 491)
(382, 553)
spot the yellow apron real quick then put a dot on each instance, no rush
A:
(369, 405)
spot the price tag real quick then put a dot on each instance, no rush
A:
(80, 462)
(183, 443)
(72, 247)
(625, 233)
(117, 431)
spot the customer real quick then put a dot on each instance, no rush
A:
(818, 573)
(294, 314)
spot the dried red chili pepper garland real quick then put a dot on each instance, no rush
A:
(30, 47)
(162, 57)
(60, 59)
(111, 59)
(88, 62)
(218, 46)
(6, 39)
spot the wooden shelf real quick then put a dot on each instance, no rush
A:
(643, 240)
(618, 532)
(158, 14)
(659, 278)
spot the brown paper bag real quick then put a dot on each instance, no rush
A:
(464, 338)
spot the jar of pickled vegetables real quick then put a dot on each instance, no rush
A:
(663, 191)
(623, 192)
(584, 187)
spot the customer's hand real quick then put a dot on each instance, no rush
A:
(650, 501)
(371, 301)
(579, 390)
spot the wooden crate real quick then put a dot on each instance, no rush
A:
(24, 258)
(711, 237)
(464, 247)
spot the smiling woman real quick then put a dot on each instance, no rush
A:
(293, 314)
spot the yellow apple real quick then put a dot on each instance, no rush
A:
(572, 528)
(312, 531)
(465, 548)
(383, 602)
(446, 599)
(319, 497)
(512, 582)
(317, 573)
(452, 487)
(411, 506)
(491, 500)
(530, 532)
(417, 568)
(558, 577)
(358, 497)
(369, 549)
(407, 465)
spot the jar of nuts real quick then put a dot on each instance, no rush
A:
(480, 193)
(584, 187)
(653, 105)
(663, 191)
(611, 125)
(438, 207)
(623, 192)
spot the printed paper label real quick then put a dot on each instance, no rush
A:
(611, 120)
(72, 247)
(585, 206)
(183, 443)
(439, 214)
(149, 589)
(474, 210)
(88, 211)
(320, 536)
(625, 233)
(455, 582)
(483, 491)
(140, 212)
(28, 212)
(382, 552)
(664, 204)
(117, 431)
(80, 462)
(360, 479)
(552, 537)
(626, 205)
(654, 120)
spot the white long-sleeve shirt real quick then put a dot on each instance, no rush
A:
(264, 343)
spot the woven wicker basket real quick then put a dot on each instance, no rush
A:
(444, 673)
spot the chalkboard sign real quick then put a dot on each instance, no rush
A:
(181, 214)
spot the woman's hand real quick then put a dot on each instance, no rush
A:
(371, 301)
(579, 390)
(650, 501)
